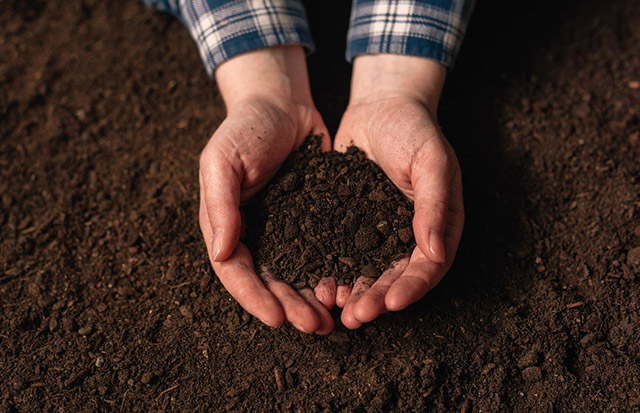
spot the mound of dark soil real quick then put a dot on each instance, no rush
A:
(328, 214)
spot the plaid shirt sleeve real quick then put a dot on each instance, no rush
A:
(225, 28)
(427, 28)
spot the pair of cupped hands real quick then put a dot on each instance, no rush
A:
(390, 116)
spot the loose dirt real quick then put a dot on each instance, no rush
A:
(108, 302)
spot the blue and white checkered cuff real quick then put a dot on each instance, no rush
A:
(427, 28)
(223, 29)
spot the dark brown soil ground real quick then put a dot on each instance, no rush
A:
(108, 303)
(328, 214)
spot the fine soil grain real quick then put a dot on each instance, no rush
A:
(328, 214)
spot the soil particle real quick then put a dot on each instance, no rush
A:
(67, 324)
(53, 324)
(146, 377)
(532, 374)
(366, 239)
(405, 235)
(186, 312)
(384, 227)
(528, 359)
(587, 339)
(633, 256)
(327, 214)
(370, 271)
(279, 378)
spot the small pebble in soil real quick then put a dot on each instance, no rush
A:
(328, 214)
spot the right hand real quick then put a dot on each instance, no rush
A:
(269, 113)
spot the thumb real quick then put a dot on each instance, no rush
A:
(432, 187)
(220, 189)
(319, 129)
(325, 143)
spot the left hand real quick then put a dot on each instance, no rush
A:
(391, 117)
(269, 114)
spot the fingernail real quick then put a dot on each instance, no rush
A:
(300, 328)
(217, 247)
(269, 324)
(436, 246)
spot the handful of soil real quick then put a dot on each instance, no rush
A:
(328, 214)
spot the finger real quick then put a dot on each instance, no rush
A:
(342, 295)
(325, 142)
(359, 288)
(420, 276)
(455, 221)
(372, 302)
(319, 129)
(432, 178)
(326, 321)
(220, 188)
(296, 309)
(325, 292)
(239, 278)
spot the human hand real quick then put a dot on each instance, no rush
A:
(391, 117)
(269, 113)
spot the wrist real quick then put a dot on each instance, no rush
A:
(387, 76)
(277, 74)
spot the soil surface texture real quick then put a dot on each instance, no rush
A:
(328, 214)
(107, 299)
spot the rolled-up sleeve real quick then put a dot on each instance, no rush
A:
(223, 29)
(427, 28)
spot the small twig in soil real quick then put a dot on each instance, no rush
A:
(124, 398)
(279, 379)
(168, 390)
(277, 258)
(179, 285)
(574, 305)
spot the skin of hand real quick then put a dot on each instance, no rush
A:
(391, 116)
(269, 113)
